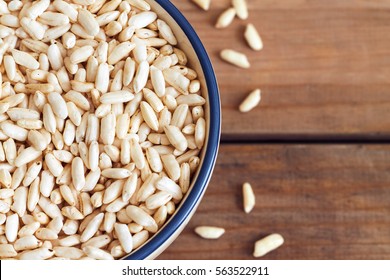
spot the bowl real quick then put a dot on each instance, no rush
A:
(198, 59)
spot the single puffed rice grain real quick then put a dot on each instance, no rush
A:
(248, 197)
(251, 101)
(236, 58)
(209, 232)
(267, 244)
(241, 8)
(226, 18)
(204, 4)
(253, 38)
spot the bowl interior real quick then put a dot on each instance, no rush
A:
(198, 60)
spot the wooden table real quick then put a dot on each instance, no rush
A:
(316, 150)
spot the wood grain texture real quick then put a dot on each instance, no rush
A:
(328, 201)
(324, 70)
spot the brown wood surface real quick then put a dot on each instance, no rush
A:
(328, 201)
(324, 70)
(325, 76)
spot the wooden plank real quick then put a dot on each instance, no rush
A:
(323, 71)
(328, 201)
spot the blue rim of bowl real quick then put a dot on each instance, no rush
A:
(213, 141)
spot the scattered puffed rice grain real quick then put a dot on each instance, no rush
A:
(204, 4)
(226, 18)
(251, 101)
(267, 244)
(241, 8)
(253, 38)
(235, 58)
(248, 197)
(209, 232)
